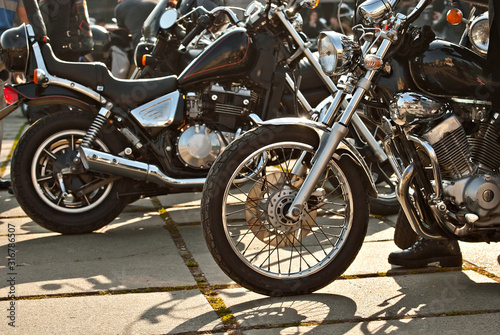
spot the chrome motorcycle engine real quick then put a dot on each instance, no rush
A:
(469, 163)
(216, 117)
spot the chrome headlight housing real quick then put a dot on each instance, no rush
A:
(374, 11)
(479, 33)
(336, 52)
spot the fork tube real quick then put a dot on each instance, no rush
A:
(329, 146)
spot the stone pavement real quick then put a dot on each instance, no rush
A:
(147, 273)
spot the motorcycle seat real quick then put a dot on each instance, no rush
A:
(126, 93)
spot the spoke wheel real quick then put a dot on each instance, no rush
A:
(246, 226)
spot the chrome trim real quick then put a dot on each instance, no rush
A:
(402, 192)
(373, 11)
(438, 189)
(410, 107)
(159, 112)
(99, 161)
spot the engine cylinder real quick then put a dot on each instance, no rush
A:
(485, 146)
(449, 141)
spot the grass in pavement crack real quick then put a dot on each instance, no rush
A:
(225, 314)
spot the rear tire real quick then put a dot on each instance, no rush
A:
(243, 208)
(46, 147)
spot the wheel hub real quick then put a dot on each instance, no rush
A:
(266, 207)
(277, 208)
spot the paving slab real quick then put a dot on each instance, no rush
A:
(470, 324)
(195, 242)
(10, 207)
(484, 255)
(23, 226)
(180, 199)
(146, 313)
(379, 230)
(380, 297)
(372, 259)
(132, 252)
(185, 215)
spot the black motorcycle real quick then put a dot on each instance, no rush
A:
(298, 220)
(74, 171)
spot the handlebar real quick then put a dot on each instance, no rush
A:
(419, 8)
(205, 21)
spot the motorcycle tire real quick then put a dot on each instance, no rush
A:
(247, 192)
(404, 236)
(46, 147)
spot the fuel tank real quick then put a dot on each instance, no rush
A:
(449, 70)
(231, 55)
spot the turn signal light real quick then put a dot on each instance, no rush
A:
(454, 16)
(373, 62)
(10, 95)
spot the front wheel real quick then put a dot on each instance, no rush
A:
(68, 203)
(248, 191)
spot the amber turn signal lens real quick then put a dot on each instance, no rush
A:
(454, 16)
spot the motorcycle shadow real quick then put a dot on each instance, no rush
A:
(119, 257)
(403, 303)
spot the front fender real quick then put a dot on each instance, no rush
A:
(345, 148)
(35, 95)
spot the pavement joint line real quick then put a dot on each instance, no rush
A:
(470, 266)
(108, 292)
(9, 156)
(230, 324)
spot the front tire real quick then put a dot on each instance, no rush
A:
(50, 145)
(247, 192)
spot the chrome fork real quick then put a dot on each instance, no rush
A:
(331, 140)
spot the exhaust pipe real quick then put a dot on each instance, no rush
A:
(104, 162)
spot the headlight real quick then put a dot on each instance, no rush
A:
(336, 52)
(374, 11)
(479, 33)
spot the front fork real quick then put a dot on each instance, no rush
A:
(331, 140)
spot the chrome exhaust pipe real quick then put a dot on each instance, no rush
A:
(104, 162)
(403, 194)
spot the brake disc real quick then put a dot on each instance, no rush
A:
(266, 206)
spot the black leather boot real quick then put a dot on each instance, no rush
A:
(425, 251)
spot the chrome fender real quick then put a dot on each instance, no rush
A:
(345, 148)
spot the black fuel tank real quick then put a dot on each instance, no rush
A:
(449, 70)
(231, 55)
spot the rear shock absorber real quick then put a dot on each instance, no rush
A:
(96, 126)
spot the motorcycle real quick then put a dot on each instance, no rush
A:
(474, 37)
(285, 208)
(73, 172)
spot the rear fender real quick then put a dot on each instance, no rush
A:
(35, 95)
(345, 148)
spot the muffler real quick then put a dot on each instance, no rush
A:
(104, 162)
